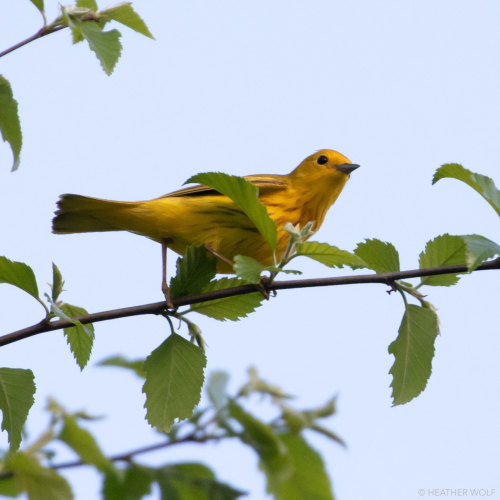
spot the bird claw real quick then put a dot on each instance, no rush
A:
(263, 285)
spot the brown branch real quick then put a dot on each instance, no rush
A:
(160, 307)
(46, 30)
(129, 455)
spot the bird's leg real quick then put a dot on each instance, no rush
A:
(261, 286)
(212, 250)
(164, 287)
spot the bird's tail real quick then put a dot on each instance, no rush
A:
(81, 214)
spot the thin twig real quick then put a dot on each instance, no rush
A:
(129, 455)
(160, 307)
(46, 30)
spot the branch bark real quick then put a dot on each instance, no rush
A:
(46, 30)
(160, 307)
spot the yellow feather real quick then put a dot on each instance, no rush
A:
(200, 216)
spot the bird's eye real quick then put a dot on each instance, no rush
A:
(322, 160)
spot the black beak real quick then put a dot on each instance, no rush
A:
(347, 168)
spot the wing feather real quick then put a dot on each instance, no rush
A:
(265, 183)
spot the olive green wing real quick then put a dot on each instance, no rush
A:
(265, 183)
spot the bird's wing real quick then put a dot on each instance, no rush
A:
(265, 183)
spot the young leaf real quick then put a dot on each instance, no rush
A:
(245, 196)
(174, 377)
(444, 250)
(17, 388)
(57, 282)
(413, 350)
(232, 308)
(126, 15)
(133, 483)
(193, 481)
(40, 483)
(8, 488)
(194, 271)
(378, 255)
(105, 44)
(478, 249)
(79, 337)
(329, 255)
(217, 389)
(136, 365)
(88, 4)
(18, 274)
(248, 269)
(262, 438)
(84, 445)
(482, 184)
(38, 4)
(308, 479)
(10, 127)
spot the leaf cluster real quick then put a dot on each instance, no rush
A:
(293, 469)
(87, 23)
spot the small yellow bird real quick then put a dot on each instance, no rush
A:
(199, 215)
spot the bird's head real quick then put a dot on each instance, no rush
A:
(325, 165)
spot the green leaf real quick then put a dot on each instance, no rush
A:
(79, 337)
(482, 184)
(136, 365)
(8, 488)
(232, 308)
(192, 481)
(250, 270)
(245, 196)
(380, 256)
(174, 377)
(478, 249)
(10, 127)
(132, 483)
(105, 44)
(88, 4)
(17, 388)
(57, 282)
(444, 250)
(413, 350)
(40, 483)
(84, 445)
(329, 255)
(77, 35)
(307, 480)
(126, 15)
(257, 384)
(262, 438)
(18, 274)
(194, 271)
(38, 4)
(217, 389)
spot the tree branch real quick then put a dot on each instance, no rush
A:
(160, 307)
(129, 455)
(46, 30)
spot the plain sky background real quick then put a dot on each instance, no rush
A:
(255, 87)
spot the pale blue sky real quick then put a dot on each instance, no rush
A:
(254, 87)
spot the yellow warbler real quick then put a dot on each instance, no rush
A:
(201, 216)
